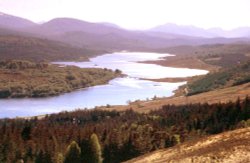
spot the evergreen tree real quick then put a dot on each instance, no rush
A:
(59, 158)
(73, 153)
(128, 150)
(96, 149)
(86, 154)
(26, 133)
(43, 157)
(246, 108)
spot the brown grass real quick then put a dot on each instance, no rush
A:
(232, 146)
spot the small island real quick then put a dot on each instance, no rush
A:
(19, 78)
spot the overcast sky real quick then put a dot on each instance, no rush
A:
(136, 14)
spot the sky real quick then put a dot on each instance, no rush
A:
(136, 14)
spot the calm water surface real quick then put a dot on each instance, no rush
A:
(118, 91)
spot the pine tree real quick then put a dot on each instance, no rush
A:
(247, 108)
(128, 150)
(96, 149)
(43, 157)
(59, 158)
(86, 154)
(73, 153)
(26, 133)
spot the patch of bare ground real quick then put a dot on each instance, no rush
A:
(227, 147)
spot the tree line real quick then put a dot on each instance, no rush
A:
(112, 136)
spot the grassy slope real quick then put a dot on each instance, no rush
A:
(226, 77)
(34, 49)
(27, 79)
(211, 97)
(232, 146)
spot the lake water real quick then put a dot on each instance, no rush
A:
(119, 91)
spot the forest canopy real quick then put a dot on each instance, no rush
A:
(111, 136)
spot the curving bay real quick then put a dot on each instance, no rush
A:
(119, 91)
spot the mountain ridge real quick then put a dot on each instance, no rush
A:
(104, 37)
(201, 32)
(14, 22)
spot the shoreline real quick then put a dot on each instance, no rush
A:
(179, 61)
(183, 62)
(170, 80)
(143, 106)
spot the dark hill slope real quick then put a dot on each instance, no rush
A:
(19, 47)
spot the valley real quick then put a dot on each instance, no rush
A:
(79, 91)
(119, 91)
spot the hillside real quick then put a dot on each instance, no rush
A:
(209, 57)
(34, 49)
(119, 136)
(227, 77)
(232, 146)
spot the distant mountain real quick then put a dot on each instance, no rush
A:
(183, 30)
(63, 25)
(13, 22)
(200, 32)
(102, 35)
(111, 25)
(109, 37)
(238, 32)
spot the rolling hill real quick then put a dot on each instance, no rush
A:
(103, 36)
